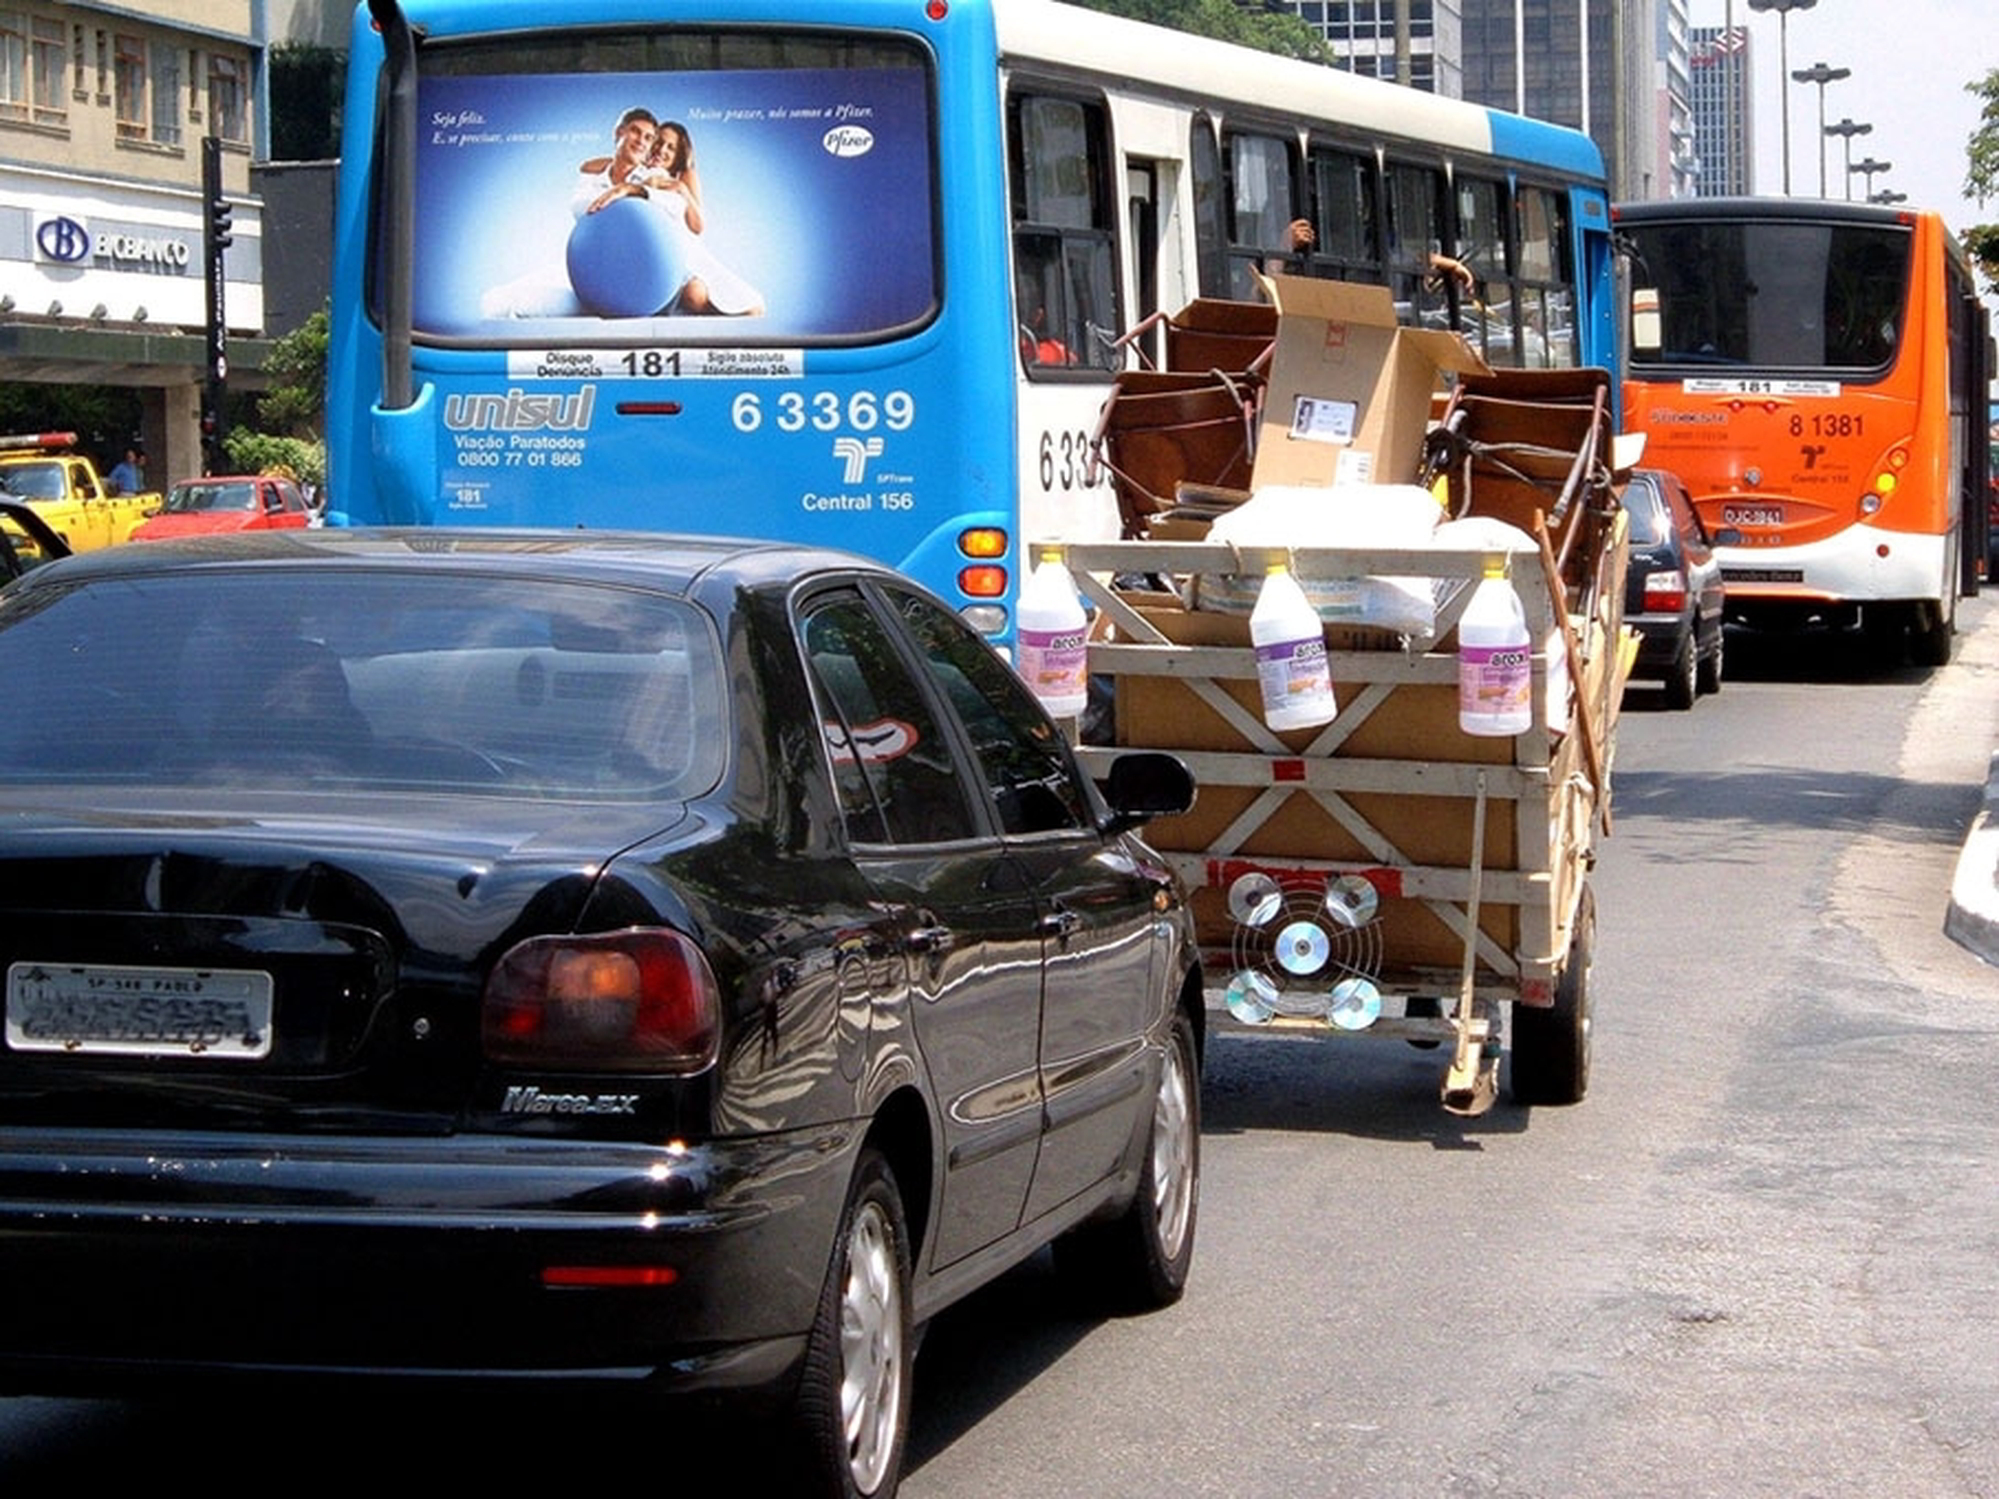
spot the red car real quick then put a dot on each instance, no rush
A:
(228, 502)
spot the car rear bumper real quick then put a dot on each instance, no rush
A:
(132, 1259)
(1660, 640)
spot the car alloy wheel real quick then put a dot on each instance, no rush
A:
(853, 1398)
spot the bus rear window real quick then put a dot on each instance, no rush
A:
(631, 188)
(1775, 295)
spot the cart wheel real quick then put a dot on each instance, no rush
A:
(1551, 1046)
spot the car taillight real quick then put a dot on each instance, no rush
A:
(1665, 591)
(642, 1000)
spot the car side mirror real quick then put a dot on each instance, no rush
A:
(1145, 784)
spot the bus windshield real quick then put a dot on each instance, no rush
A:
(585, 187)
(1786, 294)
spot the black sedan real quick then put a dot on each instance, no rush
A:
(1673, 591)
(667, 963)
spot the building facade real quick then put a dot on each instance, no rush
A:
(103, 278)
(1718, 89)
(1677, 168)
(1419, 42)
(1585, 63)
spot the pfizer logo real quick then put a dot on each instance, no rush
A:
(849, 140)
(63, 240)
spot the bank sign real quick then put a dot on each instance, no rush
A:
(62, 240)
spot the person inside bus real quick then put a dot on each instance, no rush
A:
(1303, 237)
(1038, 343)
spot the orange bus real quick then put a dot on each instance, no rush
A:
(1816, 372)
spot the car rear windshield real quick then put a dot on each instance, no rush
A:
(366, 679)
(1647, 510)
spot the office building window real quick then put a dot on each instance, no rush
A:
(129, 87)
(226, 115)
(49, 64)
(166, 94)
(13, 66)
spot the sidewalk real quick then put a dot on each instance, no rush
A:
(1973, 919)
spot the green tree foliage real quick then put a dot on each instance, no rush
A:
(284, 433)
(1981, 174)
(105, 418)
(295, 404)
(306, 81)
(1224, 20)
(261, 453)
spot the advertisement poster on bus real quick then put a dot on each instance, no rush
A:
(794, 204)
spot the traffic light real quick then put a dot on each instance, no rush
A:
(218, 223)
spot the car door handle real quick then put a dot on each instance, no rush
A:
(930, 939)
(1060, 922)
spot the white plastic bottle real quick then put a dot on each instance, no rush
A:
(1495, 659)
(1052, 635)
(1291, 666)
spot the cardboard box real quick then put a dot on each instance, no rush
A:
(1350, 390)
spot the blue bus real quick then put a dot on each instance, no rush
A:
(861, 272)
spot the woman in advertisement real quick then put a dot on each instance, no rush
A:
(636, 249)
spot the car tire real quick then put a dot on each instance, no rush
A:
(852, 1408)
(1139, 1260)
(1681, 681)
(1551, 1047)
(1707, 676)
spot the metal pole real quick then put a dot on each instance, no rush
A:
(1519, 59)
(1784, 9)
(1737, 170)
(1784, 89)
(1846, 130)
(1820, 74)
(1582, 57)
(215, 381)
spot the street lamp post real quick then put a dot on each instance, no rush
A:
(1784, 9)
(1820, 74)
(1847, 129)
(1884, 196)
(1870, 167)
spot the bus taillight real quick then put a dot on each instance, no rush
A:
(1883, 488)
(983, 582)
(986, 543)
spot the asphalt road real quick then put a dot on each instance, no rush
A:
(1758, 1260)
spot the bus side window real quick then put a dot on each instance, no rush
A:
(1415, 233)
(1346, 216)
(1487, 319)
(1546, 288)
(1263, 201)
(1064, 234)
(1211, 223)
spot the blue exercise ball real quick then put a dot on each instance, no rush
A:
(625, 260)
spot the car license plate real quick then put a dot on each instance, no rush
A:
(1752, 515)
(138, 1012)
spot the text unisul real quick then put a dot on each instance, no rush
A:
(520, 411)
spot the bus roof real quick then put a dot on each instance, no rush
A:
(1816, 210)
(1069, 38)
